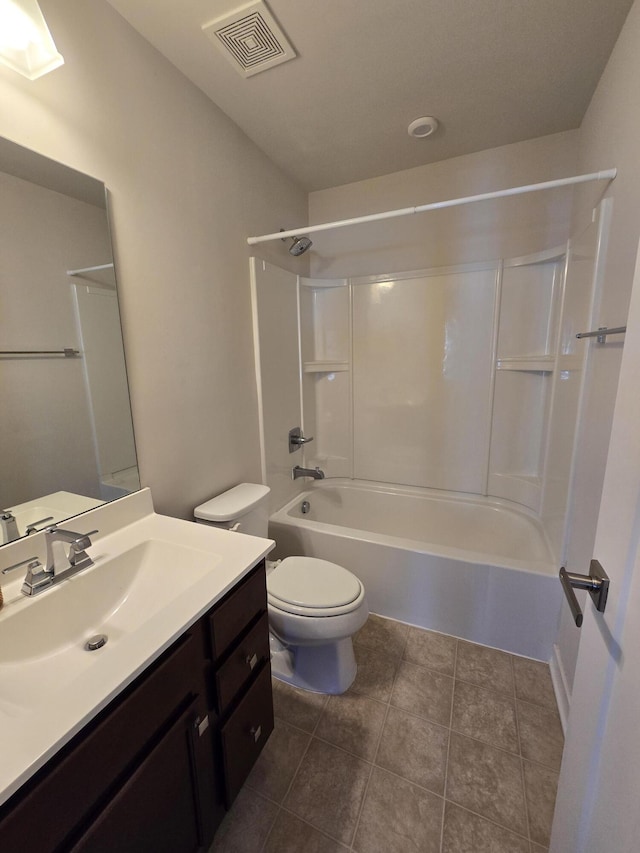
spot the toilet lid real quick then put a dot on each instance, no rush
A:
(311, 583)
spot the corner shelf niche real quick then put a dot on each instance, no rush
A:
(527, 364)
(325, 366)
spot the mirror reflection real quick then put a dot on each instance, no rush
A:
(66, 435)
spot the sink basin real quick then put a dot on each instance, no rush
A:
(116, 597)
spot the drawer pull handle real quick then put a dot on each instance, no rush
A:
(256, 731)
(202, 725)
(252, 660)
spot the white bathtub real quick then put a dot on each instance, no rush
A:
(475, 568)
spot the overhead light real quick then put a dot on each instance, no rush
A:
(423, 126)
(26, 45)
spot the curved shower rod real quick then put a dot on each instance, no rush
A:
(605, 175)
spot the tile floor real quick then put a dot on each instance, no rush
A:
(439, 746)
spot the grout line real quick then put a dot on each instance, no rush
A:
(524, 786)
(375, 753)
(315, 828)
(491, 821)
(293, 777)
(446, 765)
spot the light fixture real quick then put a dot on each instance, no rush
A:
(26, 45)
(423, 127)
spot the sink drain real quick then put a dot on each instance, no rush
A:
(96, 642)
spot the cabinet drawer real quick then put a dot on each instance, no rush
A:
(251, 653)
(234, 613)
(91, 763)
(245, 733)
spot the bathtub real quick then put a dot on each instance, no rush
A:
(476, 568)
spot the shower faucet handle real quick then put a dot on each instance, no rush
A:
(297, 439)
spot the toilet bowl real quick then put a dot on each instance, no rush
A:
(314, 606)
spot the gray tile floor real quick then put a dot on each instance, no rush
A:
(439, 746)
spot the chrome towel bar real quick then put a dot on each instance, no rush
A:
(601, 333)
(67, 352)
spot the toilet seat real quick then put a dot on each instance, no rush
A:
(307, 586)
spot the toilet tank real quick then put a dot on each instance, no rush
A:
(243, 508)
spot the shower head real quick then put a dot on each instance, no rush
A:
(299, 245)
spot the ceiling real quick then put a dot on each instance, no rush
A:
(492, 71)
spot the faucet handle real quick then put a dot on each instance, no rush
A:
(87, 535)
(32, 562)
(77, 549)
(33, 527)
(297, 439)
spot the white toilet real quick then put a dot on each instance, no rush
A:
(315, 607)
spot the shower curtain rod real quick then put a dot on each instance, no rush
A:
(606, 175)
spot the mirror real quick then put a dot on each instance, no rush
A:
(66, 434)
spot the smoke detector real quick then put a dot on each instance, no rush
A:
(250, 38)
(423, 127)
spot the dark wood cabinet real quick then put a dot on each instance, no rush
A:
(238, 647)
(156, 769)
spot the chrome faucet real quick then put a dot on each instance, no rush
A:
(62, 563)
(297, 471)
(8, 526)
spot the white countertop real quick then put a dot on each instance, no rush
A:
(60, 693)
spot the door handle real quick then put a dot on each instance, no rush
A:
(596, 582)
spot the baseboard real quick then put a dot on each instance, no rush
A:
(560, 687)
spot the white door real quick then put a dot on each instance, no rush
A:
(598, 803)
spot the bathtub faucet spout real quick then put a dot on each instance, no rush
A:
(297, 471)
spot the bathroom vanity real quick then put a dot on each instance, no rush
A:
(158, 760)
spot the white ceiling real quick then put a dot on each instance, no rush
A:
(492, 71)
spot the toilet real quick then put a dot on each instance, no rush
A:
(315, 607)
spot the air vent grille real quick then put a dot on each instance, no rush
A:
(250, 38)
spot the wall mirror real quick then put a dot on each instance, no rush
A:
(66, 434)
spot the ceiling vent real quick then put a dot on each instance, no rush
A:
(250, 38)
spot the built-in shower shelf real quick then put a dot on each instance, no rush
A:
(527, 364)
(325, 366)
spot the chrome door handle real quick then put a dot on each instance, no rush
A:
(596, 582)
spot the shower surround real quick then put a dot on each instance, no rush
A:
(455, 385)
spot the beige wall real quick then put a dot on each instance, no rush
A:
(477, 232)
(187, 187)
(609, 136)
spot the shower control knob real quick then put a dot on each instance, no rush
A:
(297, 439)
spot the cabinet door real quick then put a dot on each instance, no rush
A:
(161, 807)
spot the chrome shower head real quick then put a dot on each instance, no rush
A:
(299, 245)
